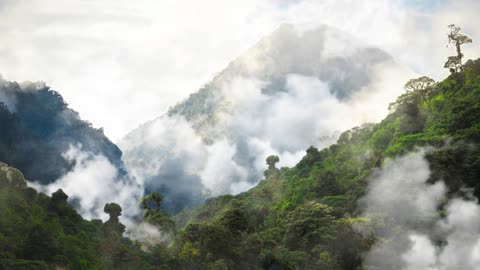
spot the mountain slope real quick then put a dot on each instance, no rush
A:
(38, 232)
(284, 94)
(324, 53)
(377, 199)
(38, 128)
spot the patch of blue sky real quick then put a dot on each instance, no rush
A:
(424, 5)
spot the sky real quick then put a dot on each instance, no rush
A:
(120, 65)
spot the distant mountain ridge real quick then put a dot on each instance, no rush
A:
(231, 124)
(346, 69)
(38, 127)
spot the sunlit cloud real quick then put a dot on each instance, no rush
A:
(120, 65)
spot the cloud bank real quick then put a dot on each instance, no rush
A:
(93, 182)
(140, 60)
(419, 227)
(277, 98)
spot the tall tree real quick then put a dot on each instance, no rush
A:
(422, 87)
(272, 170)
(457, 39)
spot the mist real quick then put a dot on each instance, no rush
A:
(93, 182)
(104, 52)
(419, 226)
(275, 99)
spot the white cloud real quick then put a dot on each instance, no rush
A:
(287, 123)
(148, 235)
(413, 226)
(168, 153)
(220, 168)
(92, 183)
(422, 254)
(169, 156)
(120, 64)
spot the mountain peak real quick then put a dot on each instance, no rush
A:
(279, 86)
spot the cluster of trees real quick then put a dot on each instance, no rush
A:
(37, 127)
(38, 232)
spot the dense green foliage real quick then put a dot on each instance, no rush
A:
(40, 232)
(303, 217)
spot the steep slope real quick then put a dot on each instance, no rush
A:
(38, 128)
(284, 94)
(379, 198)
(38, 232)
(325, 53)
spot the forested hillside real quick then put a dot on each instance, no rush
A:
(38, 232)
(38, 127)
(305, 217)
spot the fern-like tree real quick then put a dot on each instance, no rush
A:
(457, 39)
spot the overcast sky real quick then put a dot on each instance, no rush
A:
(121, 63)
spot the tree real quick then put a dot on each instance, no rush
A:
(234, 220)
(271, 161)
(419, 84)
(42, 241)
(219, 265)
(114, 210)
(59, 196)
(406, 103)
(272, 170)
(422, 87)
(457, 39)
(308, 225)
(58, 203)
(152, 203)
(418, 92)
(113, 225)
(153, 213)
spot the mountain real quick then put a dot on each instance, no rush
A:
(325, 53)
(293, 89)
(400, 194)
(38, 128)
